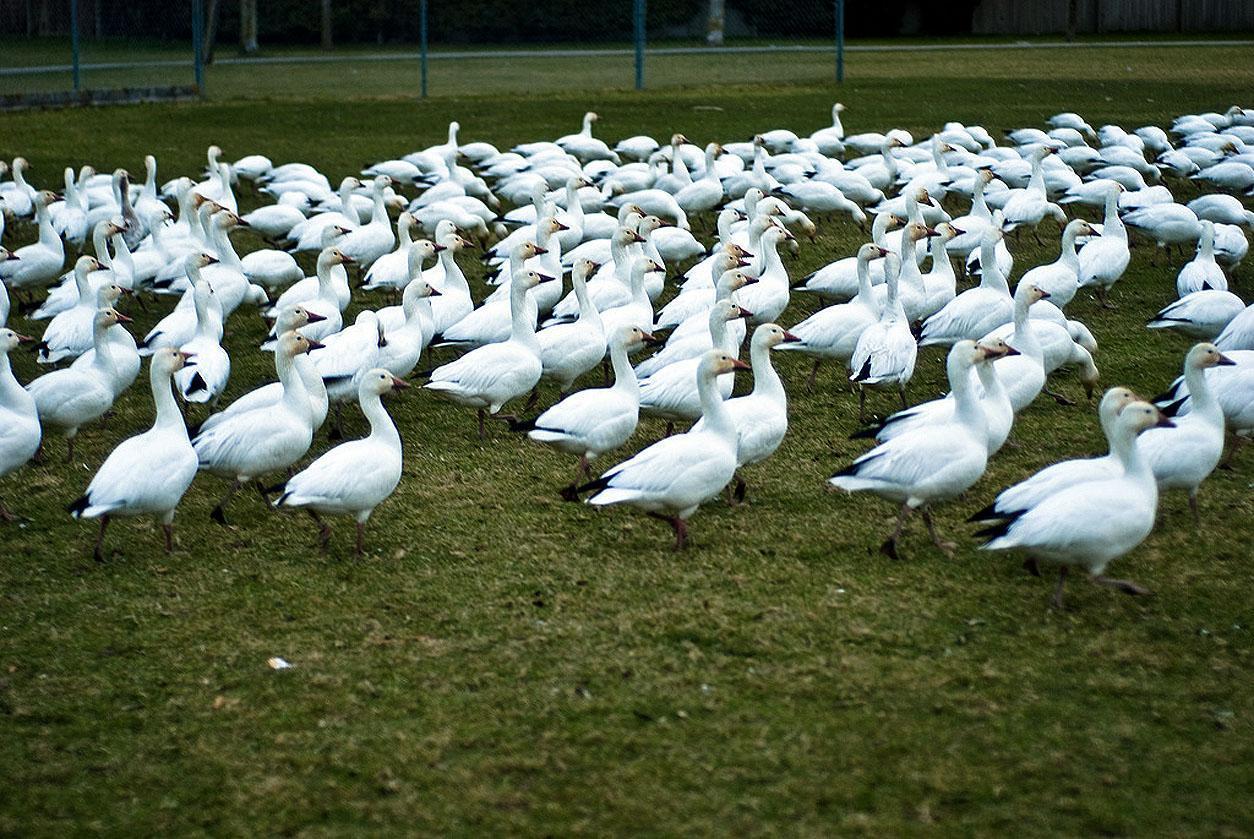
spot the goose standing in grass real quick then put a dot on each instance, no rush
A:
(38, 264)
(354, 477)
(391, 271)
(671, 391)
(1103, 261)
(1061, 278)
(20, 432)
(697, 300)
(206, 378)
(1201, 314)
(342, 359)
(1202, 272)
(839, 280)
(372, 240)
(672, 478)
(489, 376)
(1078, 525)
(568, 350)
(885, 353)
(1023, 373)
(973, 313)
(404, 342)
(930, 464)
(592, 422)
(493, 322)
(5, 303)
(149, 473)
(70, 398)
(760, 416)
(249, 444)
(68, 334)
(326, 301)
(179, 326)
(833, 332)
(1181, 457)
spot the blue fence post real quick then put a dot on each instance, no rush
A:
(639, 15)
(74, 43)
(840, 40)
(198, 44)
(422, 43)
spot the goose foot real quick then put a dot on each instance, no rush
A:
(6, 515)
(889, 548)
(361, 538)
(532, 400)
(569, 493)
(680, 526)
(739, 492)
(1238, 443)
(218, 513)
(1126, 586)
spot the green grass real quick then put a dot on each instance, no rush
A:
(502, 662)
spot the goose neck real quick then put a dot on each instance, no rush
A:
(522, 330)
(295, 397)
(766, 382)
(713, 411)
(624, 375)
(382, 429)
(168, 414)
(1201, 395)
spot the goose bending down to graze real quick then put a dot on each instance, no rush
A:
(70, 398)
(1201, 314)
(489, 376)
(271, 268)
(206, 378)
(670, 391)
(833, 332)
(290, 318)
(929, 464)
(592, 422)
(568, 350)
(999, 413)
(1103, 261)
(673, 477)
(885, 352)
(354, 477)
(760, 416)
(248, 444)
(1078, 524)
(1183, 456)
(20, 432)
(1061, 278)
(178, 327)
(1222, 209)
(146, 474)
(1202, 272)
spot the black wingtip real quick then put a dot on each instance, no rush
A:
(868, 433)
(996, 530)
(76, 508)
(864, 373)
(1172, 409)
(988, 513)
(593, 486)
(197, 383)
(521, 425)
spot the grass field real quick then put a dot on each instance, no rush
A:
(502, 662)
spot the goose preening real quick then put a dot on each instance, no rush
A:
(354, 477)
(673, 477)
(1078, 524)
(149, 473)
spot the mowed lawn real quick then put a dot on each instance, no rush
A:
(502, 662)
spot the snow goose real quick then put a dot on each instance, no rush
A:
(592, 422)
(768, 297)
(69, 217)
(489, 376)
(274, 221)
(638, 310)
(1023, 373)
(1202, 272)
(840, 280)
(1030, 206)
(308, 235)
(391, 270)
(1103, 261)
(248, 444)
(149, 473)
(329, 284)
(17, 197)
(760, 416)
(1239, 333)
(1076, 524)
(885, 352)
(404, 342)
(269, 267)
(1166, 224)
(669, 391)
(454, 302)
(568, 350)
(40, 263)
(354, 477)
(1231, 246)
(69, 293)
(940, 284)
(673, 477)
(584, 146)
(929, 464)
(492, 322)
(829, 140)
(70, 398)
(695, 300)
(345, 356)
(1071, 120)
(20, 432)
(178, 327)
(833, 332)
(68, 334)
(1222, 209)
(375, 238)
(206, 378)
(1202, 314)
(1181, 457)
(5, 303)
(706, 192)
(1231, 175)
(821, 197)
(1061, 278)
(974, 312)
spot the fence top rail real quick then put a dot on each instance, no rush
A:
(606, 52)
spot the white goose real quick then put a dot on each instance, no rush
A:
(568, 350)
(491, 375)
(68, 293)
(70, 398)
(325, 294)
(1183, 456)
(344, 357)
(973, 313)
(695, 301)
(68, 334)
(673, 477)
(768, 297)
(885, 353)
(1078, 525)
(372, 240)
(405, 342)
(206, 378)
(20, 432)
(1103, 261)
(249, 444)
(638, 310)
(454, 302)
(40, 263)
(1202, 272)
(492, 322)
(671, 391)
(592, 422)
(760, 416)
(1239, 333)
(149, 473)
(354, 477)
(1023, 374)
(391, 271)
(693, 337)
(839, 280)
(929, 464)
(1201, 314)
(178, 327)
(1061, 278)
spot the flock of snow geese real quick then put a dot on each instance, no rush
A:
(616, 221)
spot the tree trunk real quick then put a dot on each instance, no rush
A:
(326, 24)
(211, 30)
(248, 26)
(715, 22)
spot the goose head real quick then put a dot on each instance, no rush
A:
(991, 349)
(335, 256)
(169, 361)
(631, 338)
(551, 225)
(1030, 292)
(527, 250)
(946, 231)
(45, 198)
(1138, 416)
(293, 317)
(420, 252)
(836, 109)
(415, 290)
(9, 340)
(717, 362)
(771, 335)
(7, 255)
(379, 381)
(196, 261)
(109, 294)
(870, 251)
(1113, 402)
(1205, 355)
(292, 344)
(585, 268)
(110, 317)
(916, 232)
(84, 265)
(531, 279)
(736, 279)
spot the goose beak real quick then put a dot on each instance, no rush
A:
(126, 292)
(561, 226)
(931, 231)
(958, 231)
(540, 250)
(345, 259)
(750, 281)
(593, 267)
(737, 364)
(742, 263)
(439, 248)
(12, 257)
(1010, 351)
(1164, 421)
(789, 338)
(22, 339)
(185, 357)
(649, 338)
(122, 318)
(743, 312)
(213, 260)
(1224, 361)
(239, 222)
(314, 317)
(315, 345)
(636, 237)
(1044, 294)
(399, 384)
(545, 278)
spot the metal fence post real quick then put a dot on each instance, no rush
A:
(74, 43)
(198, 44)
(639, 15)
(422, 43)
(840, 40)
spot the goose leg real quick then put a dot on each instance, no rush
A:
(1238, 443)
(670, 428)
(680, 527)
(1126, 586)
(605, 371)
(947, 548)
(1197, 515)
(69, 449)
(361, 538)
(532, 399)
(901, 391)
(337, 425)
(1056, 600)
(1060, 398)
(738, 494)
(6, 515)
(168, 530)
(218, 513)
(861, 405)
(889, 548)
(324, 530)
(98, 553)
